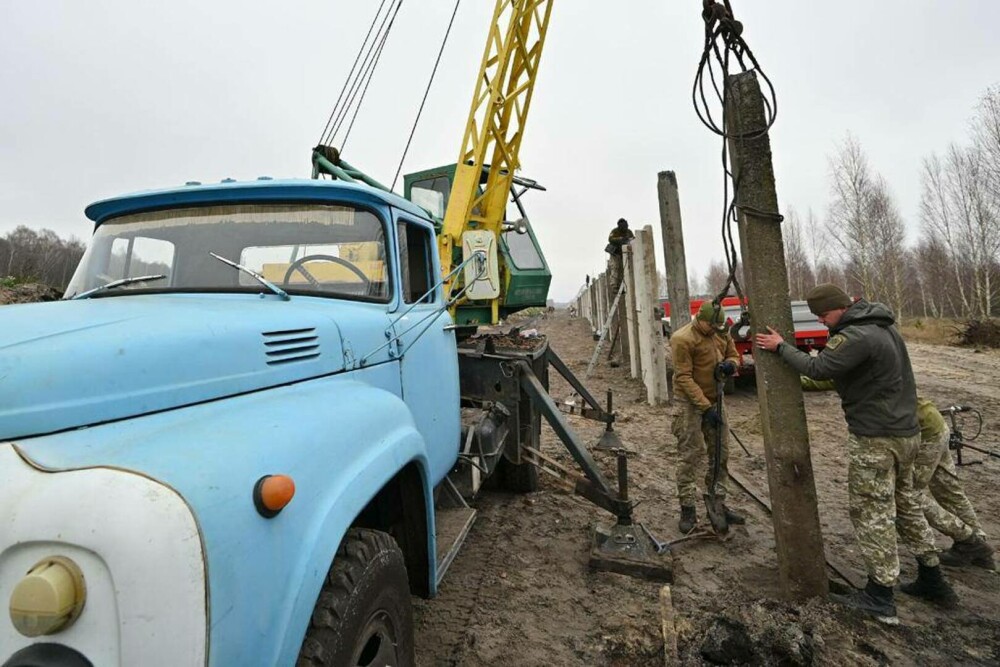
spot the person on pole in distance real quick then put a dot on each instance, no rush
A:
(619, 236)
(701, 349)
(867, 360)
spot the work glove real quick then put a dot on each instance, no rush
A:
(726, 368)
(711, 417)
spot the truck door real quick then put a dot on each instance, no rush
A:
(429, 356)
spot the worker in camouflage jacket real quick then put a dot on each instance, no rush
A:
(942, 498)
(867, 360)
(703, 351)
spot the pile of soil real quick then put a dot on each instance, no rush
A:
(28, 293)
(521, 593)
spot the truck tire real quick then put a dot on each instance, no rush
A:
(517, 477)
(363, 614)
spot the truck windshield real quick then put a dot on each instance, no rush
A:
(324, 250)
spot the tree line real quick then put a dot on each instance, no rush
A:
(953, 268)
(27, 255)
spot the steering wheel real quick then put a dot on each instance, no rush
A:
(299, 265)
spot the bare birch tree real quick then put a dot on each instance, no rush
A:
(800, 273)
(848, 222)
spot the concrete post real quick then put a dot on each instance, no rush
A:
(619, 348)
(674, 262)
(601, 307)
(631, 332)
(799, 540)
(650, 331)
(592, 300)
(641, 304)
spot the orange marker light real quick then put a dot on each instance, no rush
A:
(272, 493)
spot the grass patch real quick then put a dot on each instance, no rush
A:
(934, 331)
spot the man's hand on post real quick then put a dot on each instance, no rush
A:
(769, 341)
(711, 417)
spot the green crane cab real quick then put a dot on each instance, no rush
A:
(523, 270)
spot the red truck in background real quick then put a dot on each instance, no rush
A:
(810, 333)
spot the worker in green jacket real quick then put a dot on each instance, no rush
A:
(942, 497)
(867, 360)
(702, 352)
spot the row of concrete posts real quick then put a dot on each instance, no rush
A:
(627, 318)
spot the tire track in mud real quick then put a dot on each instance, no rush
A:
(465, 591)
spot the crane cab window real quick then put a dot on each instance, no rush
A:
(523, 252)
(432, 194)
(415, 262)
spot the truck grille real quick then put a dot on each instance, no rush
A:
(291, 345)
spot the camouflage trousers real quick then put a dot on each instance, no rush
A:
(942, 497)
(883, 500)
(695, 444)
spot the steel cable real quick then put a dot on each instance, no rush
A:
(354, 78)
(358, 80)
(343, 89)
(416, 120)
(724, 41)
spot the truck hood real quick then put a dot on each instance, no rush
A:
(75, 363)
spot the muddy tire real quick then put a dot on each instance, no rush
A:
(517, 477)
(363, 615)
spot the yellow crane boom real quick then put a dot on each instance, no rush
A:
(496, 123)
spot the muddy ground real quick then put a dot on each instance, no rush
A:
(520, 592)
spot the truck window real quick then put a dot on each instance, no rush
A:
(415, 261)
(140, 256)
(432, 194)
(314, 249)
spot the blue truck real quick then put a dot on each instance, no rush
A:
(248, 433)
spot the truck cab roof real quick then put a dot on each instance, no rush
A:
(261, 190)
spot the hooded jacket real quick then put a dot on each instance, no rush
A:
(867, 360)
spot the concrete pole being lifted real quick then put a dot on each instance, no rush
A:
(798, 538)
(674, 262)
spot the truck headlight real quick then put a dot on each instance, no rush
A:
(49, 598)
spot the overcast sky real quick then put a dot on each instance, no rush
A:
(108, 96)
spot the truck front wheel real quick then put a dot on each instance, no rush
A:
(363, 615)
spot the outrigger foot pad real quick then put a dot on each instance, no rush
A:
(631, 550)
(609, 440)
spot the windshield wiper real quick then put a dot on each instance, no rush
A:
(116, 283)
(253, 274)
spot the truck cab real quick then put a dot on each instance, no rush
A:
(213, 338)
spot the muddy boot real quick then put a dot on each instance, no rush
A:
(733, 518)
(689, 518)
(931, 586)
(875, 600)
(973, 551)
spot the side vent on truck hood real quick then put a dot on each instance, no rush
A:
(290, 345)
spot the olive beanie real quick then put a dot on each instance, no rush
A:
(826, 297)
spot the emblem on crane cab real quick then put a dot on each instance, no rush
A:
(481, 284)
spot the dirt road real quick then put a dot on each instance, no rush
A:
(520, 593)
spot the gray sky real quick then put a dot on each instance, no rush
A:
(109, 96)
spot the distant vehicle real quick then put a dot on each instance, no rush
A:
(810, 333)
